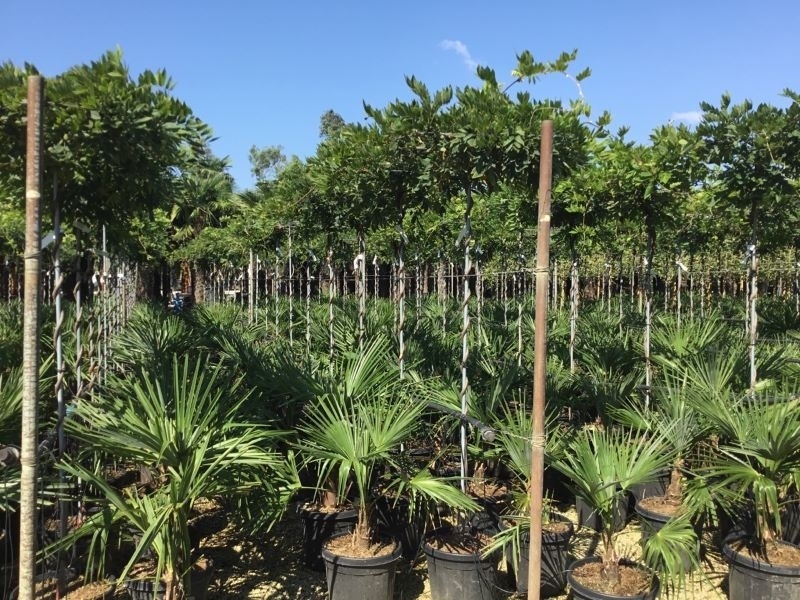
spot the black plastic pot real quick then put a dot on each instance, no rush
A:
(581, 592)
(587, 517)
(555, 554)
(649, 489)
(318, 527)
(790, 519)
(652, 522)
(145, 589)
(556, 486)
(352, 578)
(394, 519)
(454, 576)
(752, 579)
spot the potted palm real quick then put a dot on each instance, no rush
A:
(184, 425)
(673, 418)
(755, 469)
(513, 431)
(352, 440)
(602, 464)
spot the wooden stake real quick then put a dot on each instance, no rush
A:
(540, 360)
(30, 345)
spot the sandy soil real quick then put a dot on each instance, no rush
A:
(269, 566)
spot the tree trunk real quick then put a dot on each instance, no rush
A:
(464, 392)
(574, 298)
(753, 295)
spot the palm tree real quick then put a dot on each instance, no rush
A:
(351, 432)
(185, 424)
(513, 428)
(602, 464)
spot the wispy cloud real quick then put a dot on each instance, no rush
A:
(692, 117)
(461, 49)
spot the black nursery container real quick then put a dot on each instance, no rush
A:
(587, 517)
(318, 527)
(145, 589)
(455, 576)
(360, 578)
(555, 555)
(581, 592)
(752, 579)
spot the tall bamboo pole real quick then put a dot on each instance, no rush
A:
(540, 360)
(30, 345)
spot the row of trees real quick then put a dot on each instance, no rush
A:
(445, 165)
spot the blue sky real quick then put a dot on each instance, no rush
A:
(262, 72)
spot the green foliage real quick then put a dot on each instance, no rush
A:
(152, 337)
(601, 465)
(352, 428)
(666, 549)
(759, 455)
(10, 335)
(115, 145)
(185, 426)
(267, 162)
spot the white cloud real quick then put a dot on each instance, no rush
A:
(461, 49)
(692, 117)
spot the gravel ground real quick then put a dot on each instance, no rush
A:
(269, 566)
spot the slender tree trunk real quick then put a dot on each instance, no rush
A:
(308, 308)
(291, 289)
(276, 288)
(479, 292)
(554, 298)
(401, 306)
(375, 276)
(505, 297)
(648, 287)
(250, 289)
(797, 281)
(518, 320)
(442, 289)
(58, 347)
(691, 287)
(574, 299)
(464, 392)
(359, 271)
(679, 284)
(753, 295)
(30, 346)
(620, 291)
(702, 286)
(331, 294)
